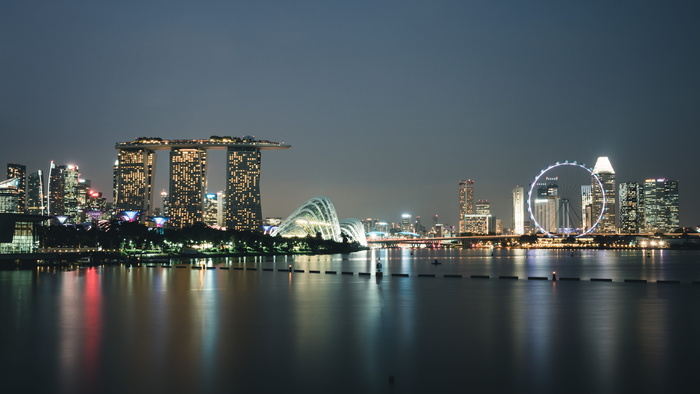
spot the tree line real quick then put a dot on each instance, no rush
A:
(134, 237)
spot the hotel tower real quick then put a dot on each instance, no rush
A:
(134, 173)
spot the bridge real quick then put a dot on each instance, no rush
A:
(473, 239)
(439, 241)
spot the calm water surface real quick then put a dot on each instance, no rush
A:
(139, 330)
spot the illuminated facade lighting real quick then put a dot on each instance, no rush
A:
(466, 202)
(19, 172)
(36, 198)
(661, 205)
(518, 210)
(318, 216)
(241, 209)
(134, 171)
(631, 215)
(607, 198)
(130, 216)
(188, 183)
(160, 221)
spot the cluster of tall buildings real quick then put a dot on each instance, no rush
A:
(409, 226)
(64, 194)
(188, 201)
(633, 207)
(649, 207)
(475, 215)
(603, 206)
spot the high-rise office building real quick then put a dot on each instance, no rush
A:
(71, 192)
(63, 188)
(211, 209)
(406, 223)
(604, 171)
(466, 202)
(586, 207)
(165, 201)
(9, 196)
(95, 202)
(36, 198)
(19, 171)
(483, 207)
(478, 224)
(418, 227)
(188, 183)
(661, 202)
(133, 178)
(370, 224)
(518, 212)
(56, 189)
(220, 209)
(243, 205)
(547, 205)
(631, 214)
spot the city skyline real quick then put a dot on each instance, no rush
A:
(387, 107)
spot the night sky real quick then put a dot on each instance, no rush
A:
(387, 104)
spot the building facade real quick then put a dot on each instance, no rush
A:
(466, 202)
(243, 208)
(188, 185)
(135, 170)
(133, 179)
(587, 207)
(479, 224)
(661, 203)
(71, 192)
(54, 204)
(36, 198)
(631, 211)
(546, 209)
(9, 196)
(518, 210)
(605, 200)
(19, 172)
(483, 207)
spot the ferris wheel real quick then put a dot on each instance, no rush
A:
(566, 199)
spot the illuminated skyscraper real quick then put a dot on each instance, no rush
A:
(133, 180)
(55, 195)
(19, 171)
(466, 202)
(220, 209)
(243, 209)
(36, 200)
(631, 214)
(604, 170)
(165, 201)
(211, 211)
(518, 212)
(547, 206)
(478, 224)
(136, 167)
(71, 192)
(406, 225)
(9, 195)
(188, 183)
(661, 205)
(586, 206)
(483, 207)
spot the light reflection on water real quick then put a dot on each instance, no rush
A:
(146, 329)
